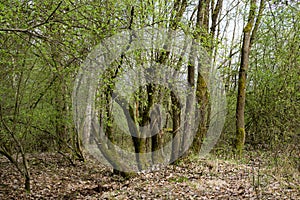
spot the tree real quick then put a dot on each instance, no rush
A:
(272, 98)
(205, 35)
(248, 39)
(41, 48)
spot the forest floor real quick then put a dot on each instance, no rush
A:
(192, 178)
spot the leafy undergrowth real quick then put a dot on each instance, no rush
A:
(192, 178)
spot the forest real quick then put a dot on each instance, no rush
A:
(150, 99)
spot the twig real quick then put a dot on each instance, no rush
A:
(27, 30)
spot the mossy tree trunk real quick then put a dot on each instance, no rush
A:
(249, 35)
(203, 100)
(204, 34)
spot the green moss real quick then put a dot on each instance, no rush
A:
(125, 175)
(240, 140)
(242, 83)
(248, 27)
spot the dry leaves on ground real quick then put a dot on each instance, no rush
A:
(54, 178)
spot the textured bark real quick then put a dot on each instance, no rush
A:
(202, 27)
(203, 100)
(249, 33)
(176, 127)
(240, 108)
(205, 35)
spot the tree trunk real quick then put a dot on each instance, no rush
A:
(203, 100)
(176, 127)
(202, 29)
(157, 132)
(241, 98)
(108, 115)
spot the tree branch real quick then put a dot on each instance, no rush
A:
(27, 30)
(257, 22)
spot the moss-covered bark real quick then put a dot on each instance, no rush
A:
(203, 100)
(249, 33)
(240, 140)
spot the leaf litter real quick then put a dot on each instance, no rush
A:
(54, 178)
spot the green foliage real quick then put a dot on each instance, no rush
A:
(43, 44)
(273, 93)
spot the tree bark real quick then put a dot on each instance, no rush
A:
(249, 33)
(176, 127)
(202, 31)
